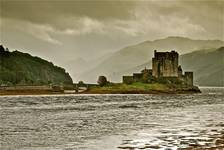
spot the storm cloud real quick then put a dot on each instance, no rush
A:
(66, 30)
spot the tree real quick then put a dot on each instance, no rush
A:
(21, 68)
(145, 77)
(2, 49)
(81, 83)
(102, 80)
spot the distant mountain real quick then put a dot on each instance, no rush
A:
(207, 65)
(79, 65)
(21, 68)
(128, 58)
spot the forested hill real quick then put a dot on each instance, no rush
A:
(22, 68)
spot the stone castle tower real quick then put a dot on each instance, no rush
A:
(165, 64)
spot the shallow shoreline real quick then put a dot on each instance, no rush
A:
(28, 92)
(141, 92)
(89, 92)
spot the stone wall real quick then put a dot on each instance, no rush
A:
(137, 77)
(128, 79)
(188, 78)
(180, 72)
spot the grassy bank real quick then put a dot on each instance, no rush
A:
(140, 88)
(114, 88)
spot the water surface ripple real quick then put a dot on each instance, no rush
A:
(110, 122)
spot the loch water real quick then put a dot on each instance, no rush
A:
(112, 122)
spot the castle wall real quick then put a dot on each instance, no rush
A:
(180, 72)
(128, 79)
(137, 77)
(188, 78)
(155, 68)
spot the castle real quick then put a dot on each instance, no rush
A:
(165, 68)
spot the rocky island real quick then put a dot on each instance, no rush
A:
(166, 76)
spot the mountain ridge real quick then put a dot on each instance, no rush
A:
(207, 65)
(134, 55)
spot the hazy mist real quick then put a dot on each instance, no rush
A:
(62, 31)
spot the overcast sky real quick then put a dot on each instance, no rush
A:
(62, 30)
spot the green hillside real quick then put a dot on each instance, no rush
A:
(21, 68)
(207, 65)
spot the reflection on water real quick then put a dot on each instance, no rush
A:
(110, 122)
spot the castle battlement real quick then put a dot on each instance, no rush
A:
(167, 55)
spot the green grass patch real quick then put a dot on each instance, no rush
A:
(122, 88)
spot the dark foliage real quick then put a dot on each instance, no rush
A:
(102, 80)
(81, 83)
(21, 68)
